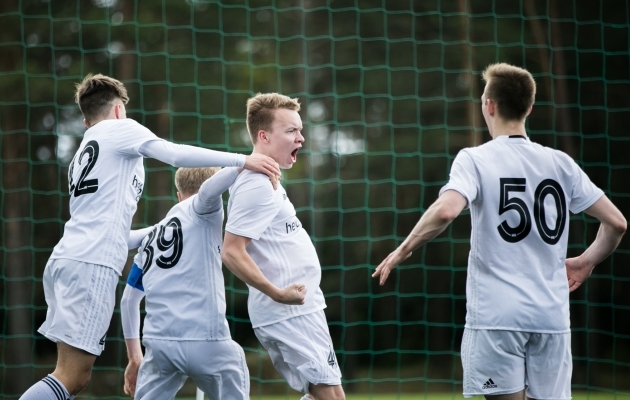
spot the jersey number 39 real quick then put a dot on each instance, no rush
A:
(548, 187)
(175, 244)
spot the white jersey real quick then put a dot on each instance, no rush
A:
(280, 247)
(105, 178)
(178, 267)
(519, 194)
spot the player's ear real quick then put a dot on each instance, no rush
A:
(179, 197)
(263, 136)
(529, 110)
(491, 106)
(86, 123)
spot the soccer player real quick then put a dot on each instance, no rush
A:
(517, 339)
(178, 267)
(266, 247)
(106, 178)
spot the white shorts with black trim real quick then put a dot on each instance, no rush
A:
(301, 350)
(503, 362)
(81, 299)
(218, 368)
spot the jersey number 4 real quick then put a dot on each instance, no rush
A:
(175, 243)
(85, 186)
(548, 187)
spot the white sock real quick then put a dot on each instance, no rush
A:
(48, 388)
(305, 397)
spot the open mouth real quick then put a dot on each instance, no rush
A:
(294, 155)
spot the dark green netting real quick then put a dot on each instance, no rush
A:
(390, 93)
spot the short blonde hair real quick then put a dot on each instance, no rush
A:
(260, 111)
(513, 89)
(189, 180)
(95, 95)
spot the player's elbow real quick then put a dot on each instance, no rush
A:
(446, 214)
(227, 256)
(619, 225)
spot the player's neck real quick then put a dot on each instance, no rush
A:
(508, 128)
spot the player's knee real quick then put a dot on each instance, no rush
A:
(334, 393)
(81, 381)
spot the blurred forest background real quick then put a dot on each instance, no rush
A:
(390, 93)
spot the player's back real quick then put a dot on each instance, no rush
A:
(520, 195)
(105, 178)
(182, 277)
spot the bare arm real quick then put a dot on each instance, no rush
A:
(433, 222)
(236, 258)
(612, 228)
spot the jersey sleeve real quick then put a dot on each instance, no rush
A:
(463, 178)
(130, 312)
(209, 199)
(252, 208)
(181, 155)
(130, 135)
(584, 193)
(134, 279)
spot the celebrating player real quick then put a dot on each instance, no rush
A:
(517, 337)
(106, 178)
(266, 247)
(178, 267)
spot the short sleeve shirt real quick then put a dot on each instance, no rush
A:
(280, 246)
(519, 194)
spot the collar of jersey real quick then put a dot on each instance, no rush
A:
(513, 140)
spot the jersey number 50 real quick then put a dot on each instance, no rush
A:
(176, 243)
(548, 187)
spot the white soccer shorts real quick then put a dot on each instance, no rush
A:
(81, 299)
(504, 362)
(301, 350)
(218, 368)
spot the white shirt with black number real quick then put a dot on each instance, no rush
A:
(520, 194)
(105, 178)
(182, 278)
(280, 247)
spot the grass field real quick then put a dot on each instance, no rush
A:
(444, 396)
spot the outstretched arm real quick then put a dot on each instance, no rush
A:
(130, 316)
(433, 222)
(208, 199)
(136, 236)
(181, 155)
(236, 258)
(612, 228)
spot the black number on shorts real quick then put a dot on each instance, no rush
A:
(552, 188)
(518, 233)
(176, 243)
(84, 186)
(547, 187)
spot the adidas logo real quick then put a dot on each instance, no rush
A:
(489, 384)
(331, 359)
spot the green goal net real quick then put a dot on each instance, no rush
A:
(390, 93)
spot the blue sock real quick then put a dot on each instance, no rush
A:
(48, 388)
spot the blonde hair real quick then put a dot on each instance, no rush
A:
(96, 93)
(260, 111)
(513, 89)
(189, 180)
